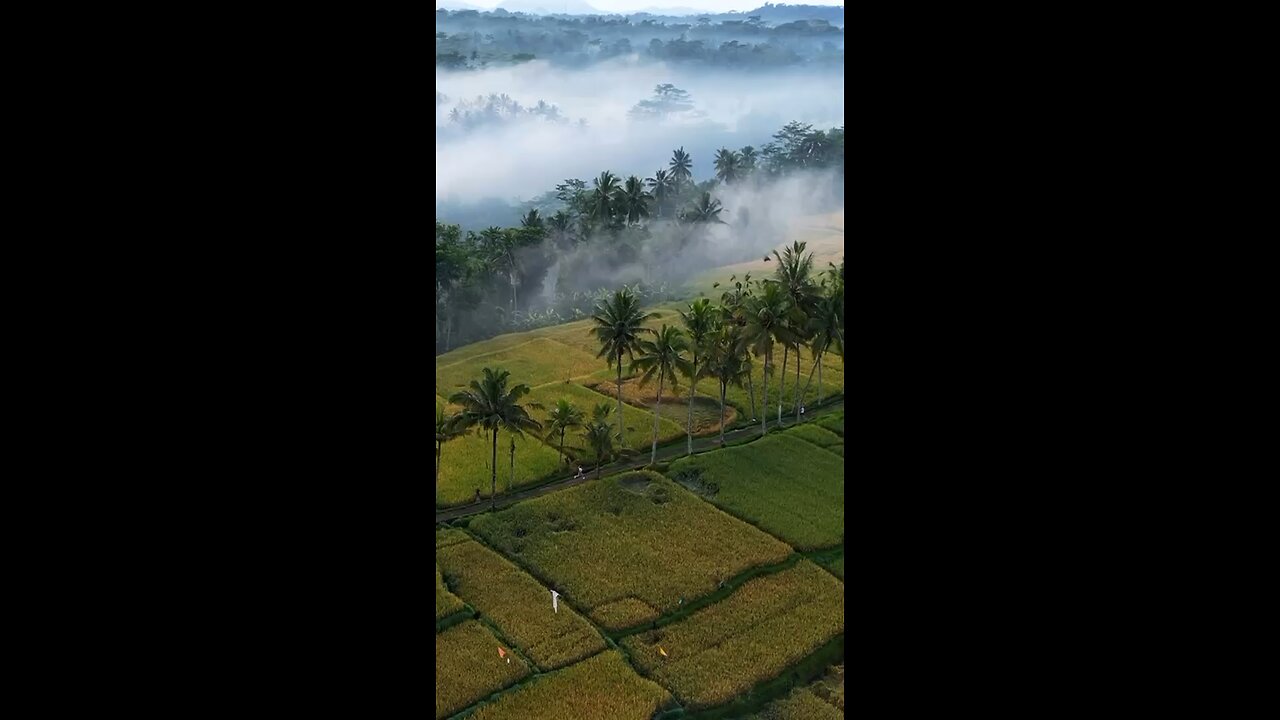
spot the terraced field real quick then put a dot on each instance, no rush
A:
(823, 700)
(465, 463)
(601, 688)
(720, 652)
(637, 424)
(519, 606)
(628, 548)
(675, 403)
(790, 488)
(446, 602)
(468, 667)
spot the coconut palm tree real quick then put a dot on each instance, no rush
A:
(728, 164)
(562, 417)
(726, 362)
(733, 309)
(600, 437)
(699, 323)
(766, 323)
(602, 197)
(704, 210)
(619, 325)
(531, 219)
(663, 186)
(446, 430)
(825, 333)
(747, 160)
(794, 270)
(490, 406)
(633, 200)
(681, 166)
(663, 356)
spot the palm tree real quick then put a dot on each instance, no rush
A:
(561, 227)
(619, 324)
(531, 219)
(633, 201)
(825, 332)
(794, 271)
(733, 308)
(446, 430)
(562, 417)
(728, 164)
(766, 323)
(705, 210)
(599, 436)
(747, 159)
(699, 323)
(681, 166)
(602, 197)
(663, 186)
(726, 363)
(664, 355)
(489, 406)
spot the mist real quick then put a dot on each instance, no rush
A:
(527, 156)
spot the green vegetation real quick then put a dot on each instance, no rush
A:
(637, 424)
(833, 422)
(518, 605)
(823, 700)
(446, 602)
(756, 634)
(464, 467)
(634, 535)
(603, 687)
(489, 406)
(538, 360)
(819, 436)
(468, 667)
(780, 483)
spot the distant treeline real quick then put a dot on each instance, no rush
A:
(469, 39)
(615, 231)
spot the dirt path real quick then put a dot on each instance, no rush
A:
(670, 451)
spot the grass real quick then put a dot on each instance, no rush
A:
(633, 535)
(675, 403)
(780, 483)
(637, 423)
(756, 634)
(519, 606)
(833, 422)
(823, 700)
(465, 462)
(816, 434)
(836, 566)
(446, 602)
(469, 669)
(601, 688)
(533, 362)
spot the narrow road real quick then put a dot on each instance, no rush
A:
(671, 450)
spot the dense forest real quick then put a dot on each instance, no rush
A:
(771, 37)
(578, 242)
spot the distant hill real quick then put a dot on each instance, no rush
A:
(779, 14)
(547, 7)
(457, 5)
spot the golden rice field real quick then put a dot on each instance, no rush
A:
(675, 402)
(603, 687)
(465, 464)
(822, 700)
(633, 535)
(469, 669)
(757, 633)
(446, 602)
(832, 383)
(780, 483)
(535, 361)
(518, 605)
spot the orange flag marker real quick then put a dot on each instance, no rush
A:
(503, 654)
(663, 652)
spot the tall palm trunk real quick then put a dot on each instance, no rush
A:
(562, 457)
(817, 363)
(820, 377)
(764, 399)
(493, 486)
(782, 381)
(797, 383)
(722, 413)
(438, 444)
(692, 384)
(751, 391)
(512, 480)
(624, 437)
(653, 455)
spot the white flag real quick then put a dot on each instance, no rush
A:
(554, 605)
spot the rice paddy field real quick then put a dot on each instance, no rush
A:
(637, 424)
(446, 602)
(604, 687)
(781, 483)
(817, 435)
(675, 402)
(823, 700)
(468, 667)
(832, 383)
(518, 605)
(720, 652)
(628, 548)
(465, 464)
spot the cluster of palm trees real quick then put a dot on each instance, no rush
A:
(795, 309)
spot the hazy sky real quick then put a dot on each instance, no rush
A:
(625, 6)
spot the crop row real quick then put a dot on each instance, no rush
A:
(468, 667)
(757, 633)
(633, 535)
(603, 687)
(446, 602)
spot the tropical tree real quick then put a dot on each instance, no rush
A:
(531, 219)
(705, 210)
(606, 187)
(619, 325)
(733, 310)
(766, 323)
(446, 430)
(747, 160)
(663, 186)
(490, 406)
(794, 270)
(681, 166)
(726, 362)
(699, 323)
(663, 356)
(561, 418)
(728, 165)
(600, 437)
(825, 333)
(633, 200)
